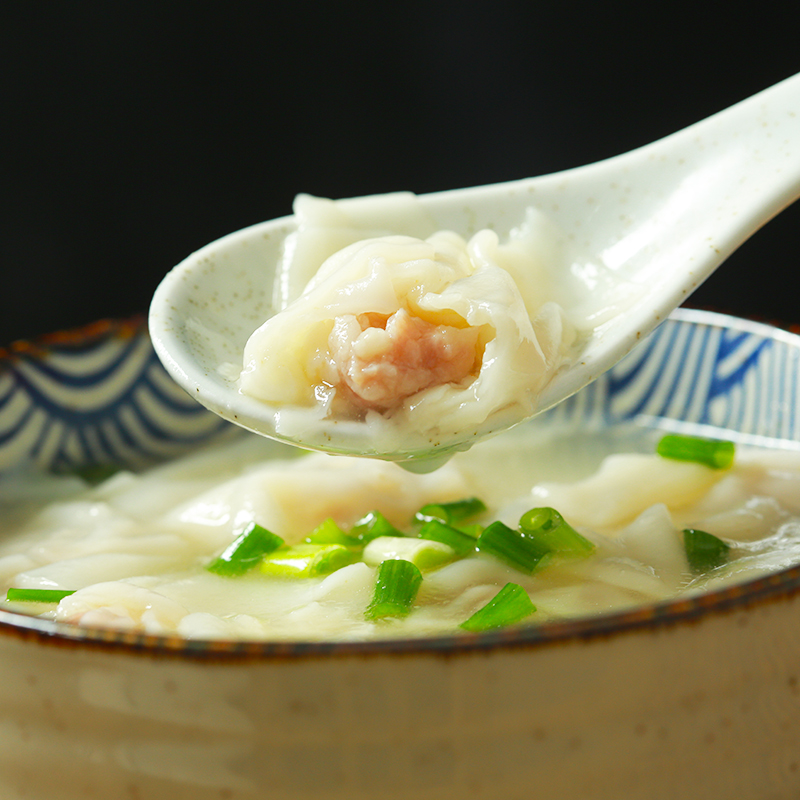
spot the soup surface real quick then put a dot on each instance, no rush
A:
(142, 551)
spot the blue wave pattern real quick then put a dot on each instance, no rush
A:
(106, 398)
(96, 399)
(702, 369)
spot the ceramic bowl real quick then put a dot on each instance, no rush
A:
(696, 698)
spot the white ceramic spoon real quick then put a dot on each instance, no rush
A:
(665, 216)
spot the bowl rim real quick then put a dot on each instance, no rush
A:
(650, 617)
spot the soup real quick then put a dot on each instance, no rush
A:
(143, 551)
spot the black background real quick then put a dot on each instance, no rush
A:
(134, 133)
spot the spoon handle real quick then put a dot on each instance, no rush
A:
(678, 208)
(750, 157)
(687, 201)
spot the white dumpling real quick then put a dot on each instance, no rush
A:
(420, 339)
(625, 486)
(292, 497)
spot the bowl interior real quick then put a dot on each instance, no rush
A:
(101, 396)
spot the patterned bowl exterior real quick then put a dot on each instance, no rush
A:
(100, 395)
(738, 378)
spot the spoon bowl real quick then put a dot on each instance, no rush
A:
(662, 217)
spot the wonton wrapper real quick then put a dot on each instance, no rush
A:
(291, 360)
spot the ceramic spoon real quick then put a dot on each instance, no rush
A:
(664, 216)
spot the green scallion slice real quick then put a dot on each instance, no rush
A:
(306, 560)
(508, 607)
(474, 530)
(437, 531)
(329, 532)
(515, 548)
(704, 551)
(395, 589)
(423, 553)
(548, 527)
(38, 595)
(711, 452)
(247, 550)
(94, 474)
(451, 513)
(372, 526)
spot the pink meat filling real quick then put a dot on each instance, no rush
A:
(383, 360)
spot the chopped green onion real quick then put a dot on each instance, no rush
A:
(711, 452)
(38, 595)
(704, 550)
(508, 607)
(306, 560)
(372, 526)
(424, 554)
(94, 474)
(549, 528)
(474, 530)
(245, 551)
(395, 589)
(438, 531)
(450, 513)
(515, 548)
(328, 532)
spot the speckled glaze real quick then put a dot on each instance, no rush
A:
(697, 699)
